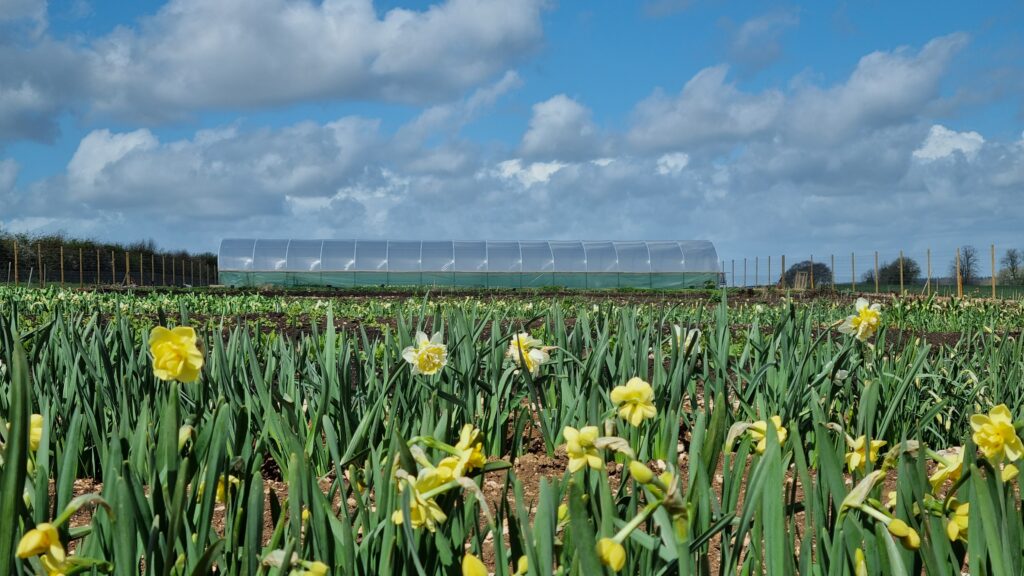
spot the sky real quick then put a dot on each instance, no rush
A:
(765, 127)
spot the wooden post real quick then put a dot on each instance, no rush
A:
(928, 282)
(182, 271)
(191, 272)
(61, 265)
(782, 276)
(993, 271)
(163, 270)
(15, 262)
(142, 275)
(812, 271)
(876, 271)
(97, 267)
(127, 268)
(39, 266)
(901, 272)
(113, 268)
(853, 272)
(152, 268)
(81, 269)
(959, 283)
(173, 269)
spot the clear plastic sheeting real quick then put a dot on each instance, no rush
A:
(501, 264)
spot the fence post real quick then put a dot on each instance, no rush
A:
(97, 267)
(142, 274)
(928, 282)
(127, 268)
(39, 265)
(15, 262)
(174, 268)
(959, 282)
(993, 271)
(61, 265)
(81, 269)
(812, 271)
(782, 275)
(113, 268)
(901, 272)
(876, 271)
(152, 268)
(191, 271)
(163, 270)
(853, 272)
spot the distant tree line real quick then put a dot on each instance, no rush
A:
(100, 262)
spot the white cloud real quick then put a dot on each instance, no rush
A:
(560, 128)
(942, 142)
(272, 52)
(99, 149)
(672, 163)
(708, 110)
(530, 174)
(884, 89)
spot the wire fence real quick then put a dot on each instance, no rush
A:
(966, 271)
(46, 265)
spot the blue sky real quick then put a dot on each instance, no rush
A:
(765, 127)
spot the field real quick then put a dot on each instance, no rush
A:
(509, 432)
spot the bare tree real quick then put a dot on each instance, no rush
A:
(969, 263)
(1013, 267)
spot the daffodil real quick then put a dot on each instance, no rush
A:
(909, 537)
(527, 351)
(995, 435)
(35, 431)
(640, 472)
(635, 401)
(312, 569)
(956, 524)
(522, 566)
(692, 336)
(423, 511)
(864, 323)
(860, 566)
(580, 447)
(859, 454)
(224, 489)
(758, 429)
(470, 449)
(1009, 472)
(948, 467)
(472, 566)
(43, 539)
(428, 356)
(611, 553)
(175, 353)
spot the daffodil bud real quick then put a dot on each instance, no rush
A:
(611, 553)
(472, 566)
(185, 439)
(640, 472)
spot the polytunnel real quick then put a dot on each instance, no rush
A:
(486, 264)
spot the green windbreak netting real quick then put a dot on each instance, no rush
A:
(505, 264)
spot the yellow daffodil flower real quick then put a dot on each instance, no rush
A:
(995, 435)
(472, 566)
(43, 539)
(470, 448)
(758, 430)
(175, 353)
(579, 445)
(224, 488)
(640, 472)
(859, 455)
(635, 401)
(956, 524)
(611, 553)
(948, 469)
(522, 566)
(864, 323)
(312, 569)
(860, 566)
(1009, 472)
(525, 349)
(35, 432)
(422, 511)
(428, 356)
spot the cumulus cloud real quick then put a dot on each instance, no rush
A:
(942, 142)
(271, 52)
(708, 110)
(561, 128)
